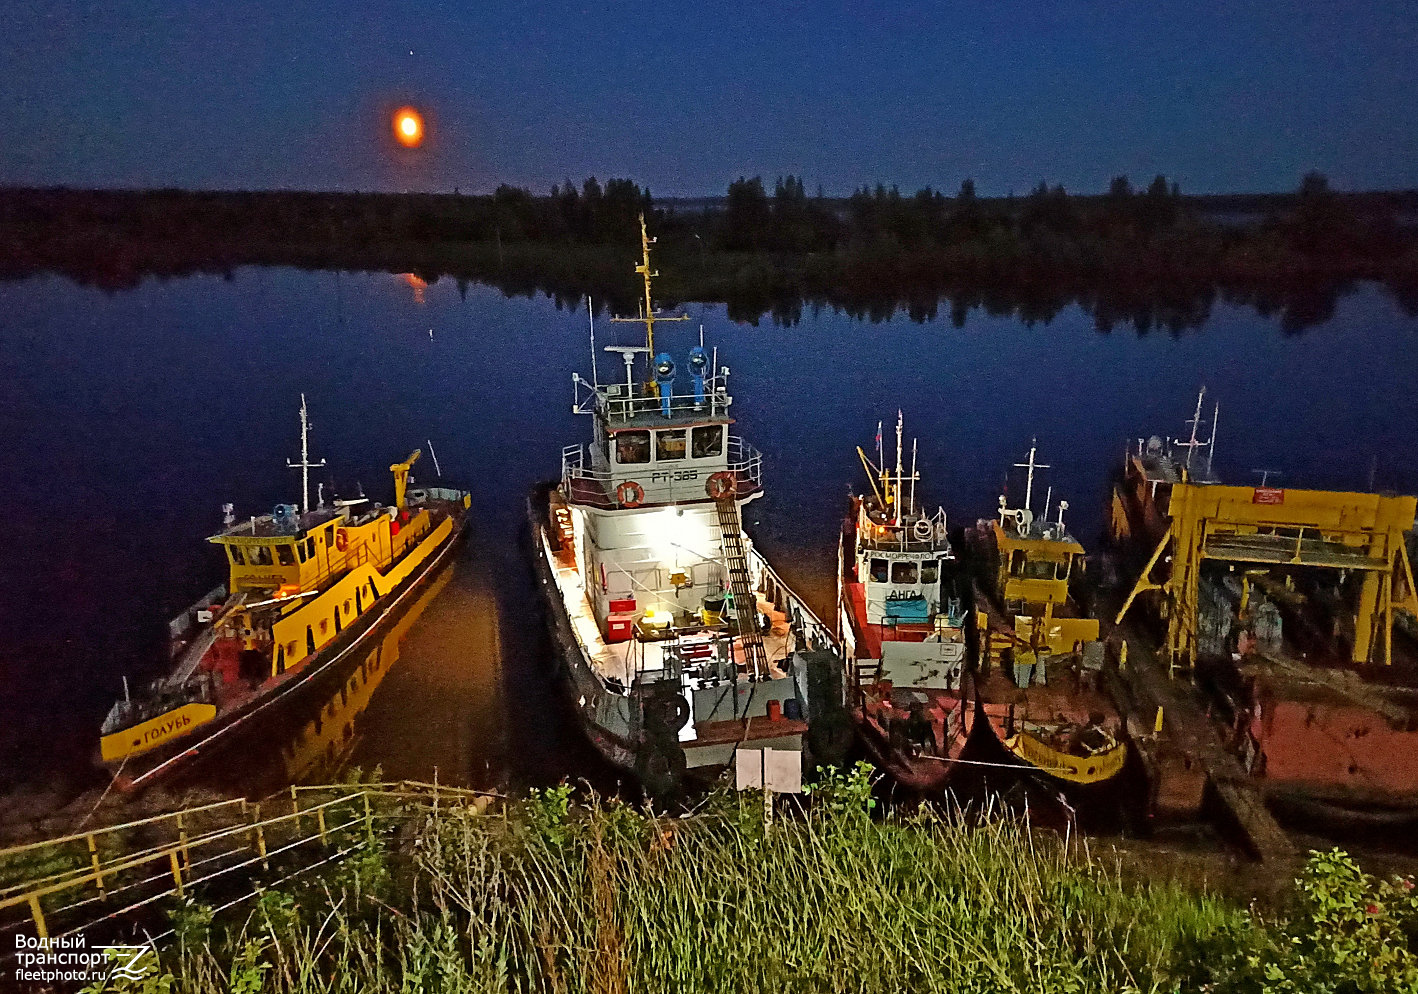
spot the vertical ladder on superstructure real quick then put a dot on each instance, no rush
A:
(745, 600)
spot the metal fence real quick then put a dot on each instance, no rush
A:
(61, 886)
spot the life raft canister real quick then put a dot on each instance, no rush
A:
(630, 494)
(342, 540)
(721, 484)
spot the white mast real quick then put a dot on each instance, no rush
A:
(913, 475)
(1031, 465)
(1211, 446)
(900, 418)
(305, 464)
(1191, 444)
(881, 461)
(591, 317)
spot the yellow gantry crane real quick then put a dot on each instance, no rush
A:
(1270, 527)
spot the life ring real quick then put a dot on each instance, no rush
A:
(720, 485)
(630, 494)
(923, 529)
(341, 540)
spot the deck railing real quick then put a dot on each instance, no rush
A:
(581, 471)
(619, 405)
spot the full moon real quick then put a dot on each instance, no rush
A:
(408, 127)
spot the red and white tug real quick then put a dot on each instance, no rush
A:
(903, 629)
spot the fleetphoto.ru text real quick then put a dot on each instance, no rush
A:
(70, 959)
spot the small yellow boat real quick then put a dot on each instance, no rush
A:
(307, 587)
(1040, 661)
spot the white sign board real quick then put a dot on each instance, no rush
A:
(780, 770)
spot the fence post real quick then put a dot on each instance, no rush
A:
(320, 820)
(260, 837)
(176, 870)
(41, 930)
(368, 817)
(93, 861)
(295, 807)
(182, 841)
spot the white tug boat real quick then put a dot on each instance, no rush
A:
(681, 644)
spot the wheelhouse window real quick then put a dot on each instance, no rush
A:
(1043, 569)
(1016, 562)
(258, 555)
(708, 441)
(903, 571)
(878, 570)
(669, 444)
(236, 556)
(285, 555)
(632, 447)
(930, 571)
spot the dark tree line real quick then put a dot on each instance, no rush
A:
(1152, 256)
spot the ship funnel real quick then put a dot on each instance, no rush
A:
(665, 377)
(698, 363)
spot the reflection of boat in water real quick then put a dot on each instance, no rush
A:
(319, 748)
(1040, 659)
(653, 589)
(310, 588)
(902, 629)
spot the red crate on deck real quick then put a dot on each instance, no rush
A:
(625, 605)
(620, 627)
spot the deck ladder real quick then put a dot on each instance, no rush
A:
(745, 600)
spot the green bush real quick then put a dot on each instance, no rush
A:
(1347, 933)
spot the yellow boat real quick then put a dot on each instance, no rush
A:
(1040, 660)
(307, 587)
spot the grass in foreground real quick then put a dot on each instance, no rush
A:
(607, 899)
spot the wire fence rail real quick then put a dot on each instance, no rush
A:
(228, 850)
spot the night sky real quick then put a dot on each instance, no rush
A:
(1221, 95)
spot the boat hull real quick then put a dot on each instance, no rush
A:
(616, 724)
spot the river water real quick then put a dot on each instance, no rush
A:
(129, 418)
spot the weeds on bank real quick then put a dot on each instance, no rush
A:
(606, 899)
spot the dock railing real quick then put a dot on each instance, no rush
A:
(228, 850)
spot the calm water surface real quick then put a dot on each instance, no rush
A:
(128, 419)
